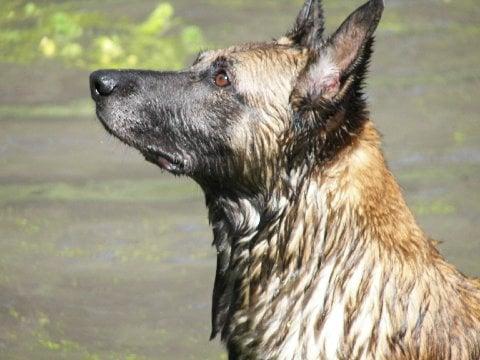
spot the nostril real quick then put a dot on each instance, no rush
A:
(104, 85)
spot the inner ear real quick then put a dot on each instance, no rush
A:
(322, 79)
(330, 71)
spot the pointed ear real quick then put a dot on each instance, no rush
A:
(346, 53)
(309, 26)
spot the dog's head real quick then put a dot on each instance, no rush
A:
(237, 113)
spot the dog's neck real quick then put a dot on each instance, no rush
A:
(264, 241)
(286, 259)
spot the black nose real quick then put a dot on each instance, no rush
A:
(103, 83)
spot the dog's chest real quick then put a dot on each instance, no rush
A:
(307, 319)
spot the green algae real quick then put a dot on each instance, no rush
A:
(117, 191)
(89, 39)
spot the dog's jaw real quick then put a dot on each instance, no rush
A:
(174, 164)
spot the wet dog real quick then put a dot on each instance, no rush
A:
(318, 255)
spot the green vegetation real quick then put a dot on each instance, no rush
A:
(90, 40)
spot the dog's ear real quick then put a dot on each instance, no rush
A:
(341, 61)
(309, 26)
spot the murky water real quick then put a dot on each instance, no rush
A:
(104, 257)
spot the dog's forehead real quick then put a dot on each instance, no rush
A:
(258, 54)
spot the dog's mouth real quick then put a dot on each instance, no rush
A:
(167, 161)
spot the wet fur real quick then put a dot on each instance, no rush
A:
(318, 256)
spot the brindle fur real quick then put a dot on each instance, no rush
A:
(319, 257)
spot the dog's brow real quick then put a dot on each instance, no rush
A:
(200, 55)
(221, 62)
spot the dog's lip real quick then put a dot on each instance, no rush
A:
(165, 160)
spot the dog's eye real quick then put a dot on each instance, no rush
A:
(221, 79)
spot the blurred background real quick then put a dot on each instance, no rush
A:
(104, 257)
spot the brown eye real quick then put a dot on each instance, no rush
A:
(221, 79)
